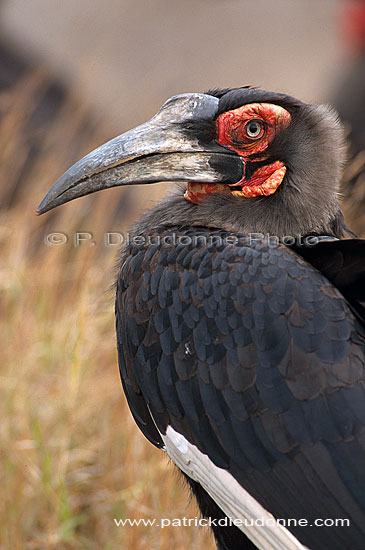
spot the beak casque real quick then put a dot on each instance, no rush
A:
(168, 147)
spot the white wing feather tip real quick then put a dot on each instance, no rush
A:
(230, 496)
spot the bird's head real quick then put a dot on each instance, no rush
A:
(243, 150)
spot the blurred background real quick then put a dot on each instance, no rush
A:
(72, 75)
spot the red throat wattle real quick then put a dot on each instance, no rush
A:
(248, 130)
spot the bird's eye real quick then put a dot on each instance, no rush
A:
(254, 129)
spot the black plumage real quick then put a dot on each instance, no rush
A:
(266, 381)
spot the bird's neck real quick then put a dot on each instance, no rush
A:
(278, 215)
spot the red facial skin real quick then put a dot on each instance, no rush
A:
(232, 133)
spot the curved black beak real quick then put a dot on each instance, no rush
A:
(176, 145)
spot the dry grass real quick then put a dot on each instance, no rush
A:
(354, 193)
(72, 458)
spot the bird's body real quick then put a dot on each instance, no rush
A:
(236, 342)
(241, 356)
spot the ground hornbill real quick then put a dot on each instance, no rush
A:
(239, 319)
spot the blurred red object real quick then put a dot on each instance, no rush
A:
(352, 25)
